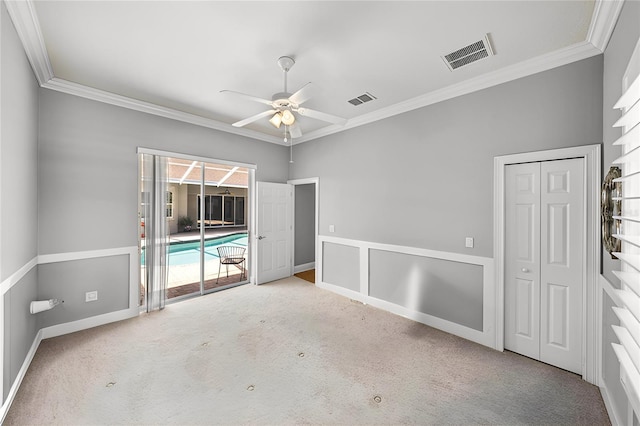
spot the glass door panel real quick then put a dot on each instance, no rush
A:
(216, 210)
(184, 243)
(239, 216)
(228, 210)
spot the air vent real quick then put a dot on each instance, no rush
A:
(359, 100)
(474, 52)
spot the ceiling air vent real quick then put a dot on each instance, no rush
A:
(359, 100)
(474, 52)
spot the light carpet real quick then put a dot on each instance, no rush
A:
(289, 353)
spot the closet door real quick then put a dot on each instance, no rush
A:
(561, 274)
(544, 252)
(522, 262)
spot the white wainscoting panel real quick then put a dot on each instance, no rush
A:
(486, 336)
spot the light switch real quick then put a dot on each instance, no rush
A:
(468, 242)
(332, 228)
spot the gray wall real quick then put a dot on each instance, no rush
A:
(425, 178)
(305, 225)
(616, 58)
(88, 167)
(441, 288)
(339, 265)
(88, 187)
(18, 195)
(99, 274)
(18, 174)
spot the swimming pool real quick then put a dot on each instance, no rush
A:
(189, 252)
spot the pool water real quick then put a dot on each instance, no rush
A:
(189, 253)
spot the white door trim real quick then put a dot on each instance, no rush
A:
(591, 297)
(305, 181)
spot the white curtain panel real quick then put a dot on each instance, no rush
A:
(154, 206)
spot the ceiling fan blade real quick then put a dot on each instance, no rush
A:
(253, 118)
(322, 116)
(252, 98)
(295, 131)
(304, 94)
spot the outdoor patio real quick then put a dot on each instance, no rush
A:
(185, 279)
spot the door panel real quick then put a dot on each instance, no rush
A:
(562, 199)
(522, 251)
(558, 234)
(524, 312)
(525, 228)
(274, 204)
(558, 303)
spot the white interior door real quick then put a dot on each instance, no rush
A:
(274, 230)
(544, 241)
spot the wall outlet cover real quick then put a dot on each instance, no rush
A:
(91, 296)
(468, 242)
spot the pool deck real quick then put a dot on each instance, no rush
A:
(183, 277)
(194, 235)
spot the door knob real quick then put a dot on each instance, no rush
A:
(524, 270)
(261, 237)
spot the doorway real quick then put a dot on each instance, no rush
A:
(590, 155)
(191, 208)
(305, 200)
(544, 203)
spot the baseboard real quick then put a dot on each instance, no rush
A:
(21, 373)
(615, 421)
(435, 322)
(59, 330)
(86, 323)
(304, 267)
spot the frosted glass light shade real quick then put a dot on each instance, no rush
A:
(288, 117)
(276, 120)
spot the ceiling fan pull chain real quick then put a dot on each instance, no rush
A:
(291, 151)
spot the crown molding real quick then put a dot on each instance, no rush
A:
(25, 21)
(526, 68)
(80, 90)
(603, 21)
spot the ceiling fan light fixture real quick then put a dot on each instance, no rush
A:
(287, 117)
(276, 120)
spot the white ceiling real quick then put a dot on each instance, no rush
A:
(173, 58)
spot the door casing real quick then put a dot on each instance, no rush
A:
(592, 306)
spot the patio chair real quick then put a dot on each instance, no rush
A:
(231, 255)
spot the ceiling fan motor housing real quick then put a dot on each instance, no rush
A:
(281, 100)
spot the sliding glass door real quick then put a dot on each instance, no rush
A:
(203, 225)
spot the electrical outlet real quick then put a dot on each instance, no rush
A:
(468, 242)
(332, 228)
(91, 296)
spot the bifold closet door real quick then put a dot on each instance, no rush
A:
(522, 263)
(544, 261)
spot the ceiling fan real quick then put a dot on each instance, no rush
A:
(284, 105)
